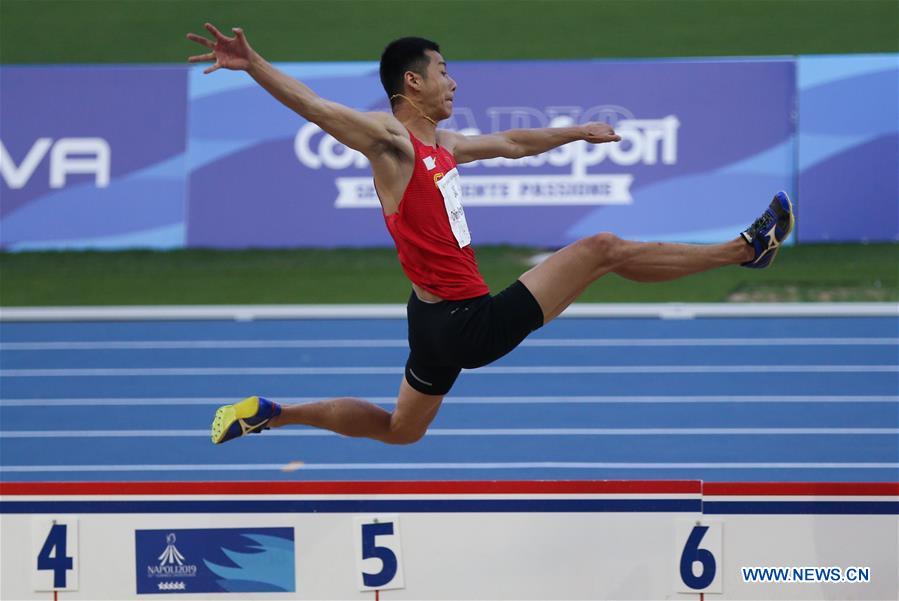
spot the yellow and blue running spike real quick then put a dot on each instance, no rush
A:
(248, 416)
(769, 231)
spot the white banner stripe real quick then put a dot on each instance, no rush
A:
(402, 343)
(472, 400)
(517, 190)
(550, 465)
(503, 370)
(472, 432)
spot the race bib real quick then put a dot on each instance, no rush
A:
(451, 189)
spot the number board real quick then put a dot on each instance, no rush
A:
(699, 556)
(379, 557)
(54, 549)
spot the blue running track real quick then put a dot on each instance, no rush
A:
(758, 399)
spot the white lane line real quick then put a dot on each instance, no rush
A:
(402, 343)
(474, 432)
(398, 311)
(616, 342)
(672, 399)
(504, 370)
(462, 400)
(546, 465)
(200, 344)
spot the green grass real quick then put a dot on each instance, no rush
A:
(152, 31)
(807, 273)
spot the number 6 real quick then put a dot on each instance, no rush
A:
(692, 553)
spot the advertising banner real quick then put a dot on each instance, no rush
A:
(106, 157)
(215, 560)
(849, 148)
(92, 157)
(705, 145)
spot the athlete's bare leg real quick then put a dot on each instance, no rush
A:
(409, 421)
(562, 278)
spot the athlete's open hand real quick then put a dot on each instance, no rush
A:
(229, 53)
(597, 133)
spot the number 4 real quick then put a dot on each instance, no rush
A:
(53, 556)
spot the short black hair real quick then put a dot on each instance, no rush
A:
(404, 54)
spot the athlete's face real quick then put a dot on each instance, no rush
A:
(438, 88)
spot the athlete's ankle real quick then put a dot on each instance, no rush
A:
(277, 420)
(742, 251)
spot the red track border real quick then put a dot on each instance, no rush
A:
(823, 489)
(505, 487)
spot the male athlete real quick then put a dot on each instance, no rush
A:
(453, 321)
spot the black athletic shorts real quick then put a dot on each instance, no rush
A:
(448, 336)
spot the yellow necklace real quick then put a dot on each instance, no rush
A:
(420, 112)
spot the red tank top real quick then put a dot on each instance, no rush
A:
(428, 250)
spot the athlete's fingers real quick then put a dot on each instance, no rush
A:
(218, 34)
(201, 58)
(200, 40)
(214, 67)
(238, 32)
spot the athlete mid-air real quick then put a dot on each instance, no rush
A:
(453, 320)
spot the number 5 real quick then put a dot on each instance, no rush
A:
(378, 538)
(386, 555)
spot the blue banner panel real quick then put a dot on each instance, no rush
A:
(848, 148)
(215, 560)
(92, 157)
(106, 157)
(705, 146)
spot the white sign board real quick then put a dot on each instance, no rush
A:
(54, 553)
(379, 556)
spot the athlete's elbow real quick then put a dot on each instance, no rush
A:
(516, 151)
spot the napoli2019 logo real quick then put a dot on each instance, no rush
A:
(215, 560)
(171, 554)
(171, 562)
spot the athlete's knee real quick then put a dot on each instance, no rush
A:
(405, 433)
(401, 437)
(603, 247)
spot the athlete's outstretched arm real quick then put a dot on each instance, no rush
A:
(517, 143)
(366, 132)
